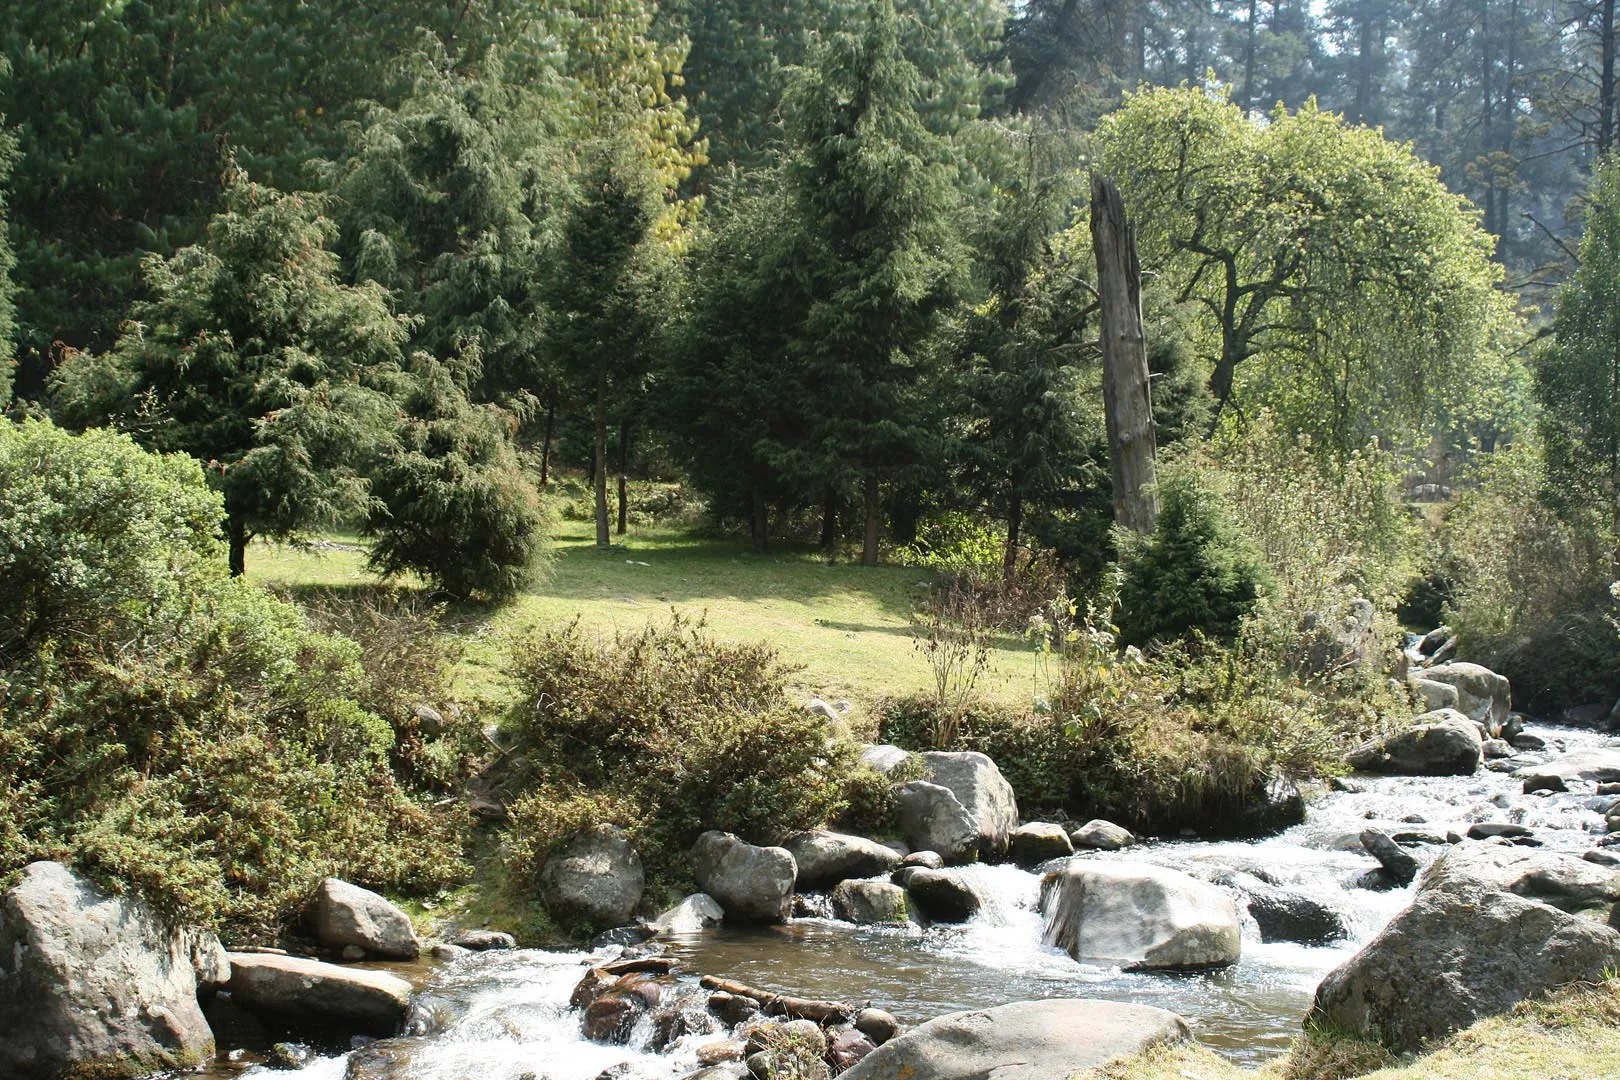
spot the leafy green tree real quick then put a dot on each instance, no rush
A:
(1334, 278)
(1578, 376)
(251, 356)
(449, 497)
(873, 191)
(8, 311)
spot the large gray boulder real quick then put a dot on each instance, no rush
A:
(1037, 841)
(932, 818)
(696, 912)
(826, 858)
(867, 902)
(983, 792)
(1025, 1040)
(1482, 695)
(341, 914)
(752, 884)
(1456, 955)
(1434, 695)
(95, 985)
(1102, 836)
(1441, 743)
(308, 995)
(596, 878)
(938, 895)
(1139, 916)
(1582, 768)
(1560, 879)
(884, 758)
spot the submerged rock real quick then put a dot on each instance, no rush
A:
(596, 878)
(1442, 743)
(343, 915)
(826, 858)
(92, 984)
(1285, 915)
(1456, 955)
(1024, 1040)
(752, 884)
(1139, 916)
(484, 940)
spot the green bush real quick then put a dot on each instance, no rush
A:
(1197, 572)
(168, 728)
(667, 732)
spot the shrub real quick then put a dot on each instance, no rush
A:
(667, 732)
(173, 730)
(1197, 572)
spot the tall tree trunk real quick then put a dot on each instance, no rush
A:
(1364, 68)
(1015, 524)
(236, 531)
(872, 500)
(829, 519)
(759, 519)
(1249, 57)
(599, 464)
(1606, 78)
(1127, 400)
(624, 484)
(545, 444)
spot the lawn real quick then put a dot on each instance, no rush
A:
(847, 626)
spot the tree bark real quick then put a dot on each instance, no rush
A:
(1127, 398)
(1249, 49)
(872, 498)
(624, 483)
(759, 521)
(545, 444)
(1606, 79)
(1015, 523)
(599, 480)
(236, 531)
(829, 519)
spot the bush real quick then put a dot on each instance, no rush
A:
(1530, 588)
(173, 730)
(1197, 572)
(668, 732)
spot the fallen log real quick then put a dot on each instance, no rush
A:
(822, 1012)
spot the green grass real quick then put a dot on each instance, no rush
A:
(1573, 1035)
(846, 625)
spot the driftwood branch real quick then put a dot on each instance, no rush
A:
(822, 1012)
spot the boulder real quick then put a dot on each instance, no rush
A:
(1139, 916)
(1038, 841)
(1102, 835)
(341, 915)
(933, 819)
(826, 858)
(877, 1025)
(611, 1016)
(1024, 1040)
(321, 999)
(752, 884)
(1556, 878)
(1456, 955)
(1482, 695)
(931, 860)
(93, 984)
(595, 879)
(1397, 862)
(884, 758)
(847, 1048)
(939, 895)
(484, 940)
(1494, 749)
(1598, 766)
(1433, 695)
(696, 912)
(983, 792)
(865, 902)
(1441, 743)
(1285, 915)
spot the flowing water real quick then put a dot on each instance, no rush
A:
(505, 1016)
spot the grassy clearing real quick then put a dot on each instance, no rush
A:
(1573, 1035)
(846, 625)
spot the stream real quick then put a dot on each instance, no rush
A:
(505, 1015)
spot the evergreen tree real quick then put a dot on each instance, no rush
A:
(8, 311)
(872, 190)
(250, 355)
